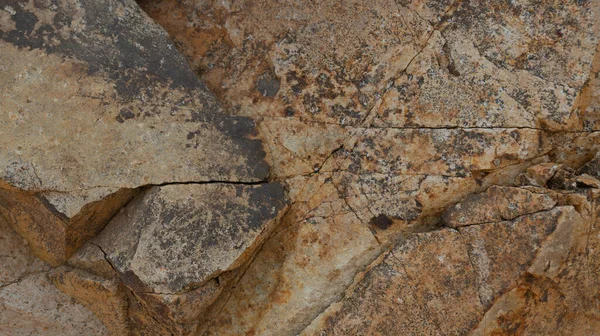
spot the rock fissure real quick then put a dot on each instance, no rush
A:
(283, 168)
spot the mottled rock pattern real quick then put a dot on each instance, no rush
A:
(127, 112)
(508, 277)
(404, 108)
(440, 158)
(175, 246)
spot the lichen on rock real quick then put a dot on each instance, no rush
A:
(261, 167)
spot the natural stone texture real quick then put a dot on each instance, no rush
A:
(560, 294)
(16, 259)
(539, 174)
(127, 102)
(400, 298)
(173, 245)
(53, 234)
(377, 117)
(406, 107)
(34, 306)
(301, 268)
(446, 152)
(496, 204)
(105, 298)
(465, 271)
(29, 303)
(128, 112)
(171, 228)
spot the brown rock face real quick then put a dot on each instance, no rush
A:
(261, 167)
(120, 109)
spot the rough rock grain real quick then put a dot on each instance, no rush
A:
(405, 108)
(120, 109)
(174, 245)
(440, 159)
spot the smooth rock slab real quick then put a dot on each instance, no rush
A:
(128, 110)
(177, 246)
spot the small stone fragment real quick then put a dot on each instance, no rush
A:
(538, 175)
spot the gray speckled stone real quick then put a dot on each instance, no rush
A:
(95, 101)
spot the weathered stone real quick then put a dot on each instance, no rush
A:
(55, 234)
(586, 180)
(503, 252)
(400, 298)
(16, 259)
(406, 107)
(496, 204)
(172, 243)
(301, 269)
(592, 167)
(560, 295)
(539, 174)
(146, 118)
(563, 179)
(128, 112)
(466, 271)
(33, 306)
(107, 299)
(377, 117)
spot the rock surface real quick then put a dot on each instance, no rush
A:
(263, 167)
(29, 303)
(128, 111)
(177, 246)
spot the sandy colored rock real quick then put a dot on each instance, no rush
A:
(143, 107)
(375, 117)
(496, 204)
(539, 174)
(408, 111)
(107, 299)
(443, 282)
(400, 298)
(301, 269)
(171, 244)
(54, 235)
(128, 112)
(34, 306)
(16, 259)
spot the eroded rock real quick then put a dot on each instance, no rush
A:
(34, 306)
(376, 116)
(172, 245)
(107, 299)
(465, 271)
(128, 112)
(497, 204)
